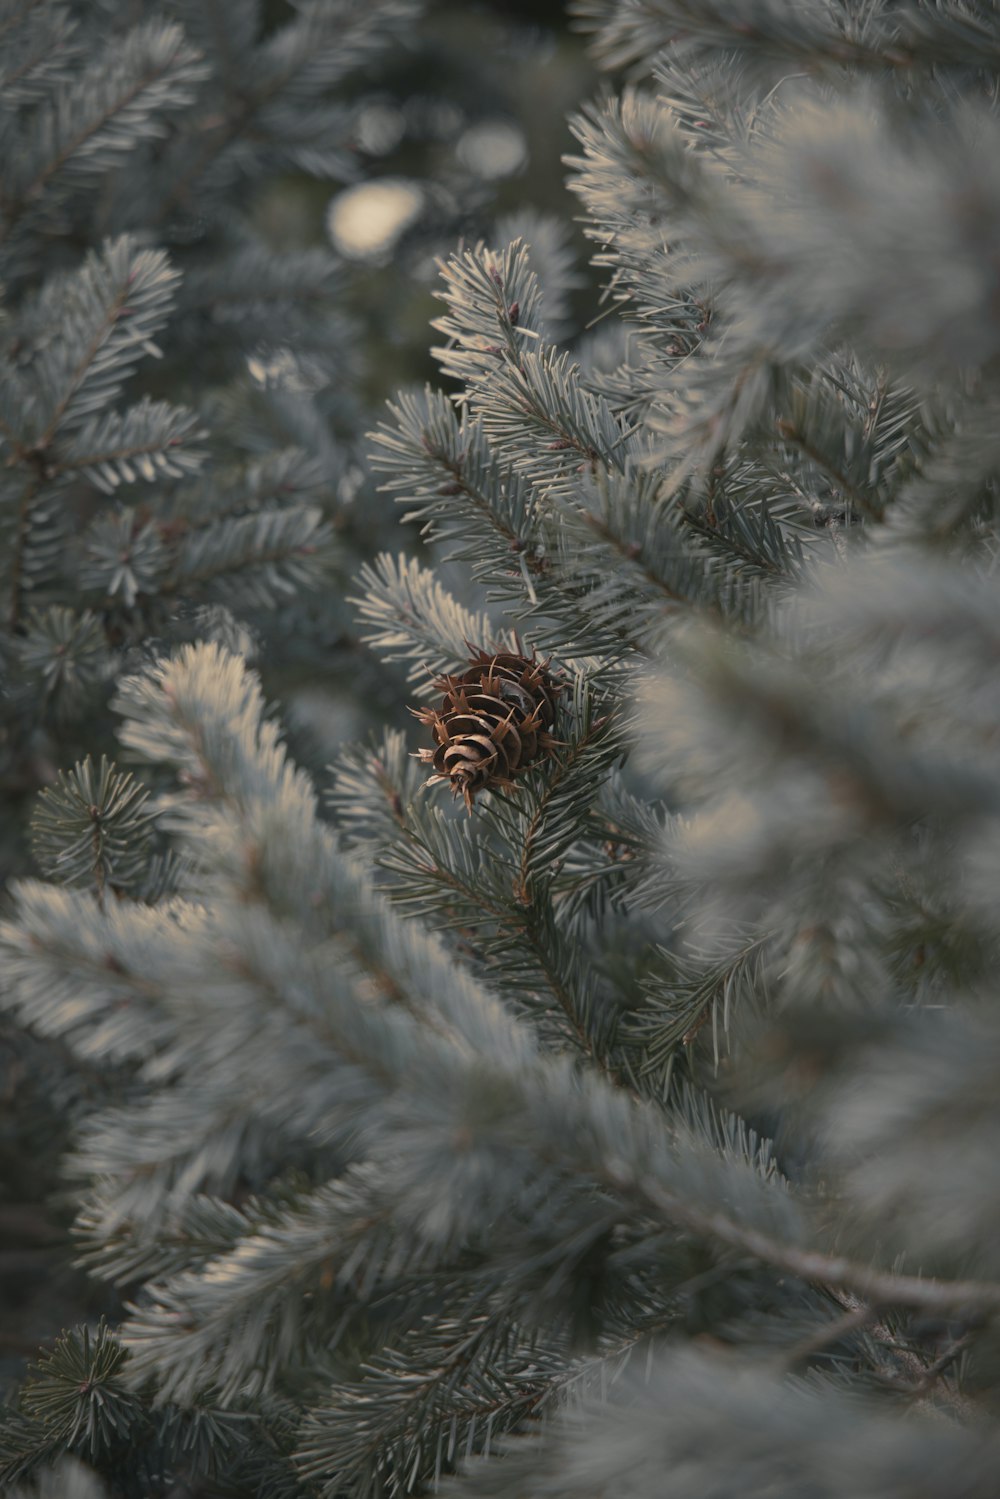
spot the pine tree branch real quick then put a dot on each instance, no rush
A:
(629, 554)
(76, 376)
(877, 1287)
(514, 918)
(484, 503)
(791, 433)
(814, 38)
(156, 63)
(408, 1421)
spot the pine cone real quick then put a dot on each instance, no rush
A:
(493, 723)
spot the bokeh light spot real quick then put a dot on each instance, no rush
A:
(365, 221)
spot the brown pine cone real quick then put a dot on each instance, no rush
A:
(493, 722)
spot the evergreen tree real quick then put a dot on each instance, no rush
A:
(628, 1121)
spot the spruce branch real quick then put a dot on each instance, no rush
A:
(257, 559)
(814, 36)
(93, 828)
(123, 559)
(686, 997)
(114, 105)
(791, 432)
(287, 476)
(402, 1426)
(124, 1251)
(522, 949)
(488, 515)
(668, 1416)
(109, 311)
(66, 652)
(77, 1393)
(462, 882)
(149, 441)
(410, 616)
(332, 1249)
(75, 1400)
(534, 411)
(372, 788)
